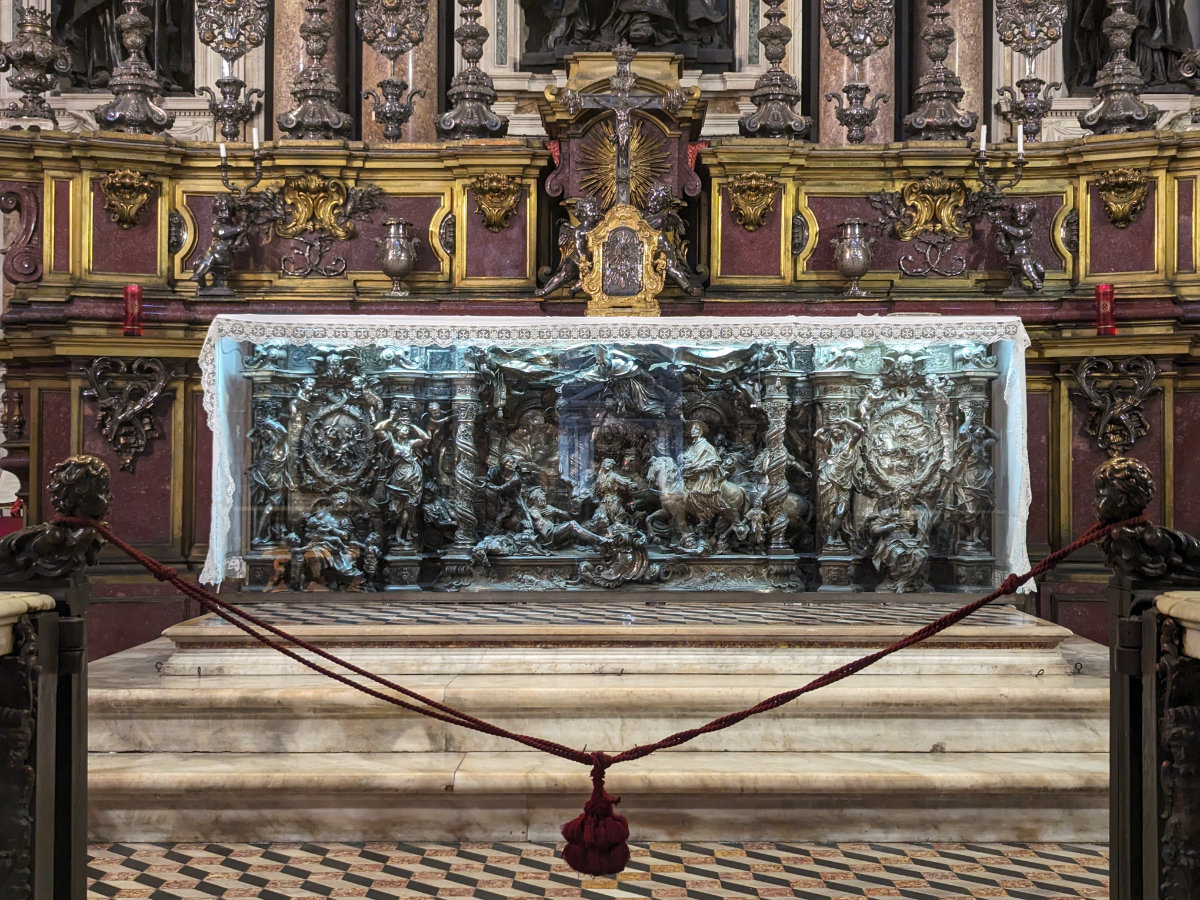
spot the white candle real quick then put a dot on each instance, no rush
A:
(254, 137)
(222, 151)
(983, 139)
(1020, 140)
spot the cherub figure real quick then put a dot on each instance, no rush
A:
(228, 237)
(572, 241)
(1012, 239)
(662, 214)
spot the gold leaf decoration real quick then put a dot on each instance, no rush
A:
(314, 203)
(496, 198)
(752, 196)
(126, 194)
(1124, 194)
(934, 206)
(649, 163)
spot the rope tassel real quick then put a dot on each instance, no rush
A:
(596, 838)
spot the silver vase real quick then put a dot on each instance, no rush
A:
(853, 249)
(397, 254)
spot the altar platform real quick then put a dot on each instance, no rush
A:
(994, 730)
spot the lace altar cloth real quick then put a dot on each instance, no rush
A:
(230, 338)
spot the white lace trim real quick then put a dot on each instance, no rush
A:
(221, 366)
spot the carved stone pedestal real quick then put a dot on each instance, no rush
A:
(972, 574)
(401, 570)
(838, 572)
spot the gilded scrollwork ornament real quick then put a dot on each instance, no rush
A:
(1124, 192)
(496, 199)
(126, 193)
(752, 197)
(125, 393)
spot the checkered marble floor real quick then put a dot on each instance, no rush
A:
(399, 613)
(705, 871)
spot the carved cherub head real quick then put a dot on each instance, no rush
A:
(587, 211)
(1124, 488)
(1023, 212)
(80, 486)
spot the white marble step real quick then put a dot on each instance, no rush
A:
(668, 796)
(133, 708)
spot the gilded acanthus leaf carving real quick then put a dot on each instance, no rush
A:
(1124, 194)
(934, 205)
(126, 194)
(496, 199)
(311, 202)
(752, 197)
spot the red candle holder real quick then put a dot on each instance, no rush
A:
(133, 310)
(1106, 310)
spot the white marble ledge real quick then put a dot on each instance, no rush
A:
(13, 605)
(1184, 607)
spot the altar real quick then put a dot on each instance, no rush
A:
(677, 454)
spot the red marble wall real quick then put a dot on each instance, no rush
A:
(60, 260)
(142, 509)
(1038, 410)
(115, 625)
(495, 254)
(1113, 249)
(751, 252)
(1185, 253)
(52, 428)
(201, 478)
(1187, 468)
(120, 251)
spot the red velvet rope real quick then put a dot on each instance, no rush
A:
(595, 844)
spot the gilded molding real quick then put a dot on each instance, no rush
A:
(126, 193)
(634, 265)
(496, 199)
(1124, 194)
(752, 197)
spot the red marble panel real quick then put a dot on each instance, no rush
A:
(493, 254)
(116, 626)
(1187, 470)
(63, 226)
(751, 252)
(980, 253)
(1185, 253)
(142, 498)
(1113, 249)
(132, 251)
(52, 432)
(1079, 606)
(362, 253)
(202, 476)
(1038, 411)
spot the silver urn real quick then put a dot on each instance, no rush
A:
(398, 254)
(853, 249)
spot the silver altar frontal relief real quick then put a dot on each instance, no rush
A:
(840, 454)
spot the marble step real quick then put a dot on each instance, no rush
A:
(528, 796)
(898, 713)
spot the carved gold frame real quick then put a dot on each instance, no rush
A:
(654, 265)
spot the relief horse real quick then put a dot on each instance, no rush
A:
(723, 509)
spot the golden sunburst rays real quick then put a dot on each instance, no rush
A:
(649, 163)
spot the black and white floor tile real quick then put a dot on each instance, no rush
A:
(375, 612)
(498, 871)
